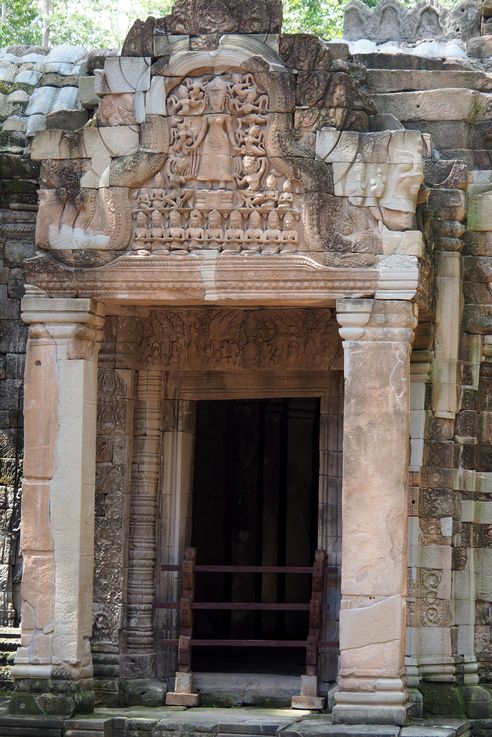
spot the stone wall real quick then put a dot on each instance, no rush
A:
(450, 605)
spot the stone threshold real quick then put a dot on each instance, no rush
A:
(202, 722)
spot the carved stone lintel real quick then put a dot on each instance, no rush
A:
(217, 339)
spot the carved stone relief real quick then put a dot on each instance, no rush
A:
(110, 511)
(218, 189)
(220, 339)
(432, 608)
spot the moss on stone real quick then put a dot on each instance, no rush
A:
(443, 699)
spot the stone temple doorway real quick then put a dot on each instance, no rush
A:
(255, 502)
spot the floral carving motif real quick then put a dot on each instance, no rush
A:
(431, 608)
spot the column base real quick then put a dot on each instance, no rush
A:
(478, 701)
(135, 666)
(457, 701)
(371, 714)
(51, 697)
(387, 703)
(443, 700)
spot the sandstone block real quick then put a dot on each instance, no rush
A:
(125, 74)
(87, 92)
(155, 97)
(479, 216)
(446, 104)
(480, 47)
(387, 147)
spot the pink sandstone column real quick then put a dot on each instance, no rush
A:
(377, 339)
(53, 667)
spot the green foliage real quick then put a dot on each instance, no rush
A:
(19, 23)
(322, 17)
(90, 23)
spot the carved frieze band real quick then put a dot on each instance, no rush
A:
(219, 339)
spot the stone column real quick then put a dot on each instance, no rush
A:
(53, 667)
(377, 337)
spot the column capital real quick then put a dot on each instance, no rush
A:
(74, 322)
(37, 307)
(376, 320)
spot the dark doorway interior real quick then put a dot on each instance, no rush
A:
(254, 503)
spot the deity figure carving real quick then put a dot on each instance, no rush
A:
(286, 199)
(271, 193)
(289, 234)
(234, 235)
(254, 170)
(216, 138)
(245, 96)
(429, 26)
(141, 233)
(215, 234)
(195, 232)
(176, 233)
(272, 236)
(254, 233)
(157, 233)
(253, 142)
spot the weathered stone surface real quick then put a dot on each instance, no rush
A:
(429, 105)
(480, 48)
(68, 120)
(139, 40)
(396, 80)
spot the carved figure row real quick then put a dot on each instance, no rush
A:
(157, 198)
(390, 20)
(236, 94)
(177, 236)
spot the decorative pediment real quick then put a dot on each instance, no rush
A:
(218, 148)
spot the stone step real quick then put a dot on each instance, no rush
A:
(215, 722)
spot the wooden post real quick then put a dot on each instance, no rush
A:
(183, 690)
(308, 698)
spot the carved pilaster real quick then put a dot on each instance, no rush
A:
(139, 660)
(377, 339)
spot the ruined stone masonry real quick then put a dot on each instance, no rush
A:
(246, 308)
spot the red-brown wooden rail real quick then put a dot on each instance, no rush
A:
(187, 605)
